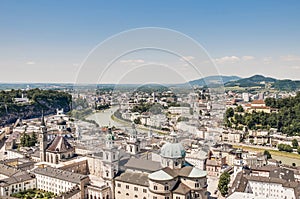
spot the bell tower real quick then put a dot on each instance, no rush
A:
(110, 158)
(133, 144)
(43, 139)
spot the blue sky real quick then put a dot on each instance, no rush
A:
(54, 37)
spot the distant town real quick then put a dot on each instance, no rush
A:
(159, 142)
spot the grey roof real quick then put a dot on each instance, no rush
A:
(7, 170)
(75, 190)
(167, 173)
(160, 175)
(134, 178)
(60, 174)
(143, 165)
(181, 188)
(192, 172)
(16, 179)
(282, 173)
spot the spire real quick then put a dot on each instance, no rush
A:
(173, 136)
(43, 119)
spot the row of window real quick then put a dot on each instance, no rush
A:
(135, 188)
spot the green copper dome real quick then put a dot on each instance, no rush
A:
(172, 150)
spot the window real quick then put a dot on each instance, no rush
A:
(167, 197)
(197, 185)
(154, 197)
(136, 189)
(135, 196)
(145, 190)
(177, 197)
(155, 187)
(127, 186)
(166, 187)
(127, 194)
(119, 184)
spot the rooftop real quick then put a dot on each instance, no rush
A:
(59, 144)
(143, 165)
(16, 179)
(60, 174)
(134, 178)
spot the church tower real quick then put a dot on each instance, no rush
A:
(110, 158)
(43, 139)
(133, 144)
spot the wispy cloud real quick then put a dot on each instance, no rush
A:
(186, 58)
(30, 63)
(290, 58)
(267, 60)
(227, 59)
(132, 61)
(248, 58)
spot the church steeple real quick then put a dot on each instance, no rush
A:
(43, 120)
(110, 157)
(133, 144)
(43, 139)
(133, 134)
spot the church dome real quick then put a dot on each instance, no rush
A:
(172, 150)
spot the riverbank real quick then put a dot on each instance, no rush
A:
(141, 127)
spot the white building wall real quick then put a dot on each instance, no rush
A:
(53, 185)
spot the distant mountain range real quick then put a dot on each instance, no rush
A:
(214, 80)
(228, 81)
(262, 81)
(253, 81)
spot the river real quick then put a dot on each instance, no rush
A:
(103, 118)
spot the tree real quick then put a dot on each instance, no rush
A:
(137, 121)
(229, 112)
(295, 143)
(239, 109)
(268, 154)
(223, 183)
(251, 141)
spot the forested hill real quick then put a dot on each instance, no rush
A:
(38, 101)
(261, 81)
